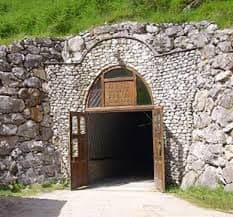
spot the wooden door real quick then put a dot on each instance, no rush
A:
(158, 147)
(78, 149)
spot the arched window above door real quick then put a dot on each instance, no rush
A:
(118, 86)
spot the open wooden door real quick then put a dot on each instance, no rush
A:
(78, 149)
(158, 147)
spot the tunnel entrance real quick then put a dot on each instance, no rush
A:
(120, 145)
(120, 133)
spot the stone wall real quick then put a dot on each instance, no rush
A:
(27, 154)
(210, 160)
(188, 68)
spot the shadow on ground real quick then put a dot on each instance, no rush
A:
(29, 207)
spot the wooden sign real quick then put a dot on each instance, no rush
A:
(119, 93)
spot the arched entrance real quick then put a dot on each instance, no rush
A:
(120, 133)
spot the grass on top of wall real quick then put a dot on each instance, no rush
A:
(63, 17)
(217, 199)
(33, 189)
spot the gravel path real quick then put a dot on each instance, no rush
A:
(116, 199)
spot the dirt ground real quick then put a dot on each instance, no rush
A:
(124, 198)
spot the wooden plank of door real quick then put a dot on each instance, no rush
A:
(78, 150)
(158, 148)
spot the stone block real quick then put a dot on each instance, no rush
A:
(28, 130)
(33, 82)
(228, 173)
(11, 105)
(189, 179)
(33, 60)
(36, 114)
(208, 178)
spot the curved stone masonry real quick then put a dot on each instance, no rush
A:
(187, 66)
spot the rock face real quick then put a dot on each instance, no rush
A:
(188, 67)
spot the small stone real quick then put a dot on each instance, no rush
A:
(34, 97)
(229, 152)
(173, 30)
(222, 116)
(40, 73)
(7, 144)
(212, 134)
(32, 82)
(36, 114)
(13, 167)
(33, 49)
(200, 39)
(8, 91)
(228, 187)
(8, 129)
(16, 58)
(189, 180)
(26, 113)
(162, 43)
(212, 27)
(33, 60)
(4, 66)
(144, 37)
(152, 29)
(200, 100)
(198, 165)
(19, 72)
(208, 51)
(11, 105)
(37, 146)
(77, 56)
(28, 130)
(223, 61)
(226, 100)
(227, 173)
(228, 128)
(23, 93)
(9, 80)
(215, 90)
(49, 171)
(46, 133)
(225, 46)
(223, 76)
(12, 118)
(76, 44)
(208, 178)
(229, 140)
(202, 120)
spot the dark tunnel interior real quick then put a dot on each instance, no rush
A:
(120, 145)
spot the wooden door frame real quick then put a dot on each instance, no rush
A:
(137, 108)
(82, 150)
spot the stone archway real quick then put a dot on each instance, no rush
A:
(166, 75)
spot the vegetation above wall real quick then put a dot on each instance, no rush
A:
(62, 17)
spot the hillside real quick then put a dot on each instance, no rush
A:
(62, 17)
